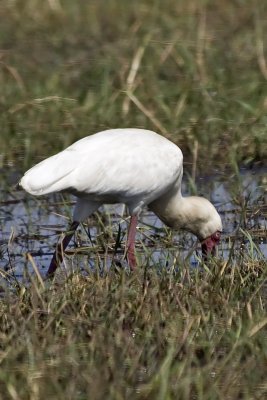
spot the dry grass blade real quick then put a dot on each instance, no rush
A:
(55, 5)
(194, 164)
(148, 114)
(15, 74)
(35, 268)
(253, 331)
(200, 56)
(131, 78)
(260, 45)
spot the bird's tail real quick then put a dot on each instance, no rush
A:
(49, 175)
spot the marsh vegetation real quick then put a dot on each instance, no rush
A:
(194, 71)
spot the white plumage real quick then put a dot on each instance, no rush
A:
(132, 166)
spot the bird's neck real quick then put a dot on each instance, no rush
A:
(176, 211)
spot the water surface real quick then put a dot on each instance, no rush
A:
(33, 225)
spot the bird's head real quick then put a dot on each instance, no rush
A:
(203, 220)
(210, 230)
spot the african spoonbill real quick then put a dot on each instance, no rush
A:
(136, 167)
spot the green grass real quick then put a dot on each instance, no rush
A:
(192, 70)
(148, 335)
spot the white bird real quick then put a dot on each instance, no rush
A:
(132, 166)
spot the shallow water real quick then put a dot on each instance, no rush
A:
(33, 225)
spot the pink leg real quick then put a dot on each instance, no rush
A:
(61, 246)
(131, 242)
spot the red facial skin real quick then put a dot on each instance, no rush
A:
(208, 245)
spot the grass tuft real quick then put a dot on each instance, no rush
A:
(151, 334)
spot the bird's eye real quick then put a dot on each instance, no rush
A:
(217, 235)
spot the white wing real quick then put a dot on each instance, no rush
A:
(120, 165)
